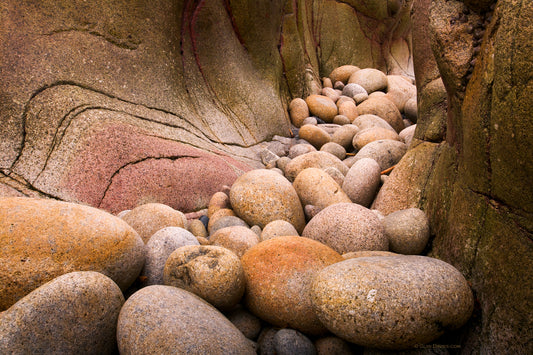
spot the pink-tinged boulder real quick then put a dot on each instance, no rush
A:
(347, 227)
(368, 135)
(262, 196)
(369, 121)
(384, 108)
(238, 239)
(278, 274)
(151, 217)
(314, 135)
(348, 109)
(322, 106)
(362, 181)
(387, 152)
(43, 239)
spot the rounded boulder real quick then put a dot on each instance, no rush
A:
(262, 196)
(372, 134)
(41, 239)
(278, 228)
(347, 227)
(74, 313)
(169, 320)
(238, 239)
(370, 79)
(298, 111)
(384, 108)
(316, 187)
(407, 230)
(321, 160)
(391, 302)
(314, 135)
(278, 274)
(362, 181)
(387, 152)
(343, 73)
(322, 106)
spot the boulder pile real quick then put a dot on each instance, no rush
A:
(289, 259)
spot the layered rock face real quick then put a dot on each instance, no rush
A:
(471, 163)
(115, 105)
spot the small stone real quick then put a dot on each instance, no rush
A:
(277, 229)
(399, 90)
(356, 92)
(322, 107)
(386, 152)
(238, 239)
(151, 217)
(265, 341)
(383, 108)
(321, 160)
(370, 79)
(75, 313)
(411, 109)
(326, 83)
(203, 241)
(344, 136)
(329, 128)
(169, 320)
(298, 111)
(335, 174)
(367, 253)
(346, 227)
(278, 272)
(246, 322)
(407, 134)
(213, 273)
(333, 345)
(197, 228)
(368, 135)
(362, 181)
(310, 120)
(343, 73)
(314, 135)
(371, 121)
(311, 211)
(341, 120)
(348, 109)
(262, 196)
(407, 230)
(205, 220)
(331, 93)
(391, 302)
(289, 342)
(226, 222)
(300, 149)
(280, 149)
(268, 158)
(315, 187)
(222, 212)
(335, 149)
(218, 201)
(339, 85)
(282, 163)
(344, 99)
(257, 230)
(158, 249)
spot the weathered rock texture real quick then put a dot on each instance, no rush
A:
(476, 187)
(116, 105)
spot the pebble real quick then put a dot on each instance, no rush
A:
(332, 345)
(391, 302)
(362, 181)
(383, 108)
(150, 323)
(75, 313)
(278, 273)
(238, 239)
(407, 231)
(289, 342)
(282, 163)
(315, 187)
(344, 136)
(265, 342)
(278, 228)
(331, 93)
(341, 120)
(370, 79)
(197, 228)
(211, 272)
(386, 152)
(339, 85)
(399, 90)
(310, 120)
(343, 73)
(321, 160)
(149, 218)
(158, 249)
(366, 253)
(411, 109)
(245, 321)
(407, 134)
(356, 92)
(326, 83)
(370, 121)
(314, 135)
(262, 196)
(322, 106)
(45, 238)
(348, 109)
(268, 158)
(335, 174)
(300, 149)
(335, 149)
(221, 212)
(218, 201)
(368, 135)
(346, 227)
(298, 111)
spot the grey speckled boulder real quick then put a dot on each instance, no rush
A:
(168, 320)
(158, 249)
(289, 342)
(407, 230)
(362, 181)
(347, 227)
(391, 302)
(75, 313)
